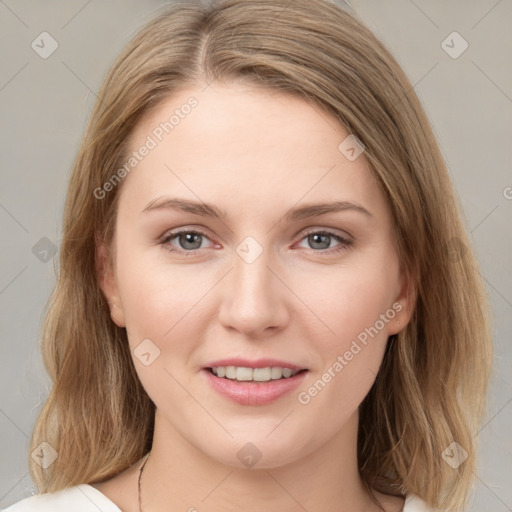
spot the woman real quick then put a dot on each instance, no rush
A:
(323, 343)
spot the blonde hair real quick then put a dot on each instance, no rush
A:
(431, 388)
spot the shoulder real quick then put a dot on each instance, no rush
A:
(80, 498)
(415, 504)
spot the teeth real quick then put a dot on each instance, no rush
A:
(276, 373)
(244, 373)
(241, 373)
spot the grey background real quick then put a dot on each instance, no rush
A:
(45, 104)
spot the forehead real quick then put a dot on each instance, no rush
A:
(247, 145)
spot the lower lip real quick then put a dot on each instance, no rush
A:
(254, 393)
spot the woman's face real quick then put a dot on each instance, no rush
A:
(271, 277)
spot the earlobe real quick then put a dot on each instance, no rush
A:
(404, 306)
(107, 282)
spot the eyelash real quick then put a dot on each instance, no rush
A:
(345, 242)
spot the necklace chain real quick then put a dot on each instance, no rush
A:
(140, 478)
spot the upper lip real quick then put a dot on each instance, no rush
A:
(259, 363)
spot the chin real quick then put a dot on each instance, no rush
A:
(258, 451)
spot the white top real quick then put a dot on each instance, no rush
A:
(85, 498)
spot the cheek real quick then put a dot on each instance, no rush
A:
(162, 316)
(163, 303)
(355, 309)
(150, 291)
(348, 301)
(148, 303)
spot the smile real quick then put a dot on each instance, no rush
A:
(241, 384)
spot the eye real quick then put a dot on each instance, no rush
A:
(320, 241)
(189, 241)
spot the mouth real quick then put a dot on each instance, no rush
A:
(257, 384)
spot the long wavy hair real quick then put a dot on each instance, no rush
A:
(431, 388)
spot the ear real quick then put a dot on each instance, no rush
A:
(107, 281)
(404, 304)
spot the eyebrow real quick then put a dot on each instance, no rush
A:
(209, 210)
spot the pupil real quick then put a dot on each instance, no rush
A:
(186, 238)
(314, 239)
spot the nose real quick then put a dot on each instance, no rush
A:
(254, 298)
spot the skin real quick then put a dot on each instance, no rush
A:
(256, 154)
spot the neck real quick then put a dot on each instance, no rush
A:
(179, 476)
